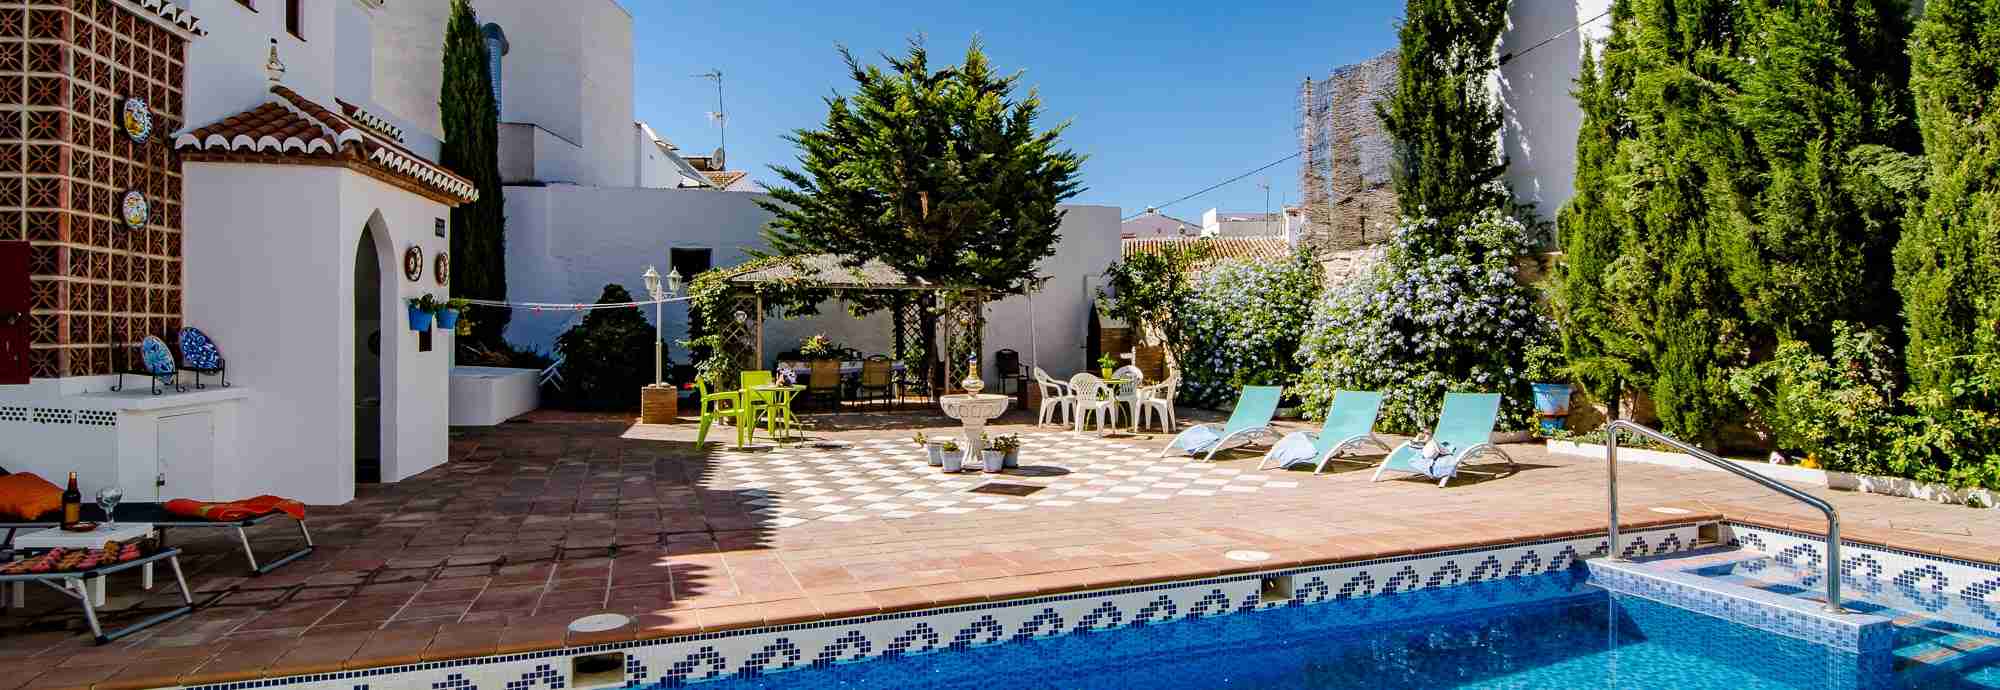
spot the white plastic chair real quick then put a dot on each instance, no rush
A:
(1092, 396)
(1127, 393)
(1157, 400)
(1058, 403)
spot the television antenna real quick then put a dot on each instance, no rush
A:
(719, 116)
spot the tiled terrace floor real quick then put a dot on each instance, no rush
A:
(532, 525)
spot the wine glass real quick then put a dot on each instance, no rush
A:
(107, 499)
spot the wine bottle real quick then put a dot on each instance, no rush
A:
(72, 503)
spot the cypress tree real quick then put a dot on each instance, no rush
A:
(471, 148)
(1811, 238)
(1683, 155)
(1948, 260)
(1442, 115)
(1604, 353)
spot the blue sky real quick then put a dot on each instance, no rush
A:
(1164, 97)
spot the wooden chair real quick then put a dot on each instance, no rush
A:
(876, 381)
(824, 382)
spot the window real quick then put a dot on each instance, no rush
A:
(292, 21)
(689, 262)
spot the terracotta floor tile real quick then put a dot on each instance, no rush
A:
(238, 662)
(459, 640)
(731, 617)
(73, 677)
(318, 654)
(392, 646)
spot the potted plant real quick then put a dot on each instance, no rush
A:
(422, 310)
(448, 313)
(1542, 364)
(934, 446)
(1009, 447)
(817, 346)
(954, 457)
(991, 458)
(1107, 364)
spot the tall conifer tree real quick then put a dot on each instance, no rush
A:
(1606, 354)
(1442, 115)
(471, 122)
(1948, 261)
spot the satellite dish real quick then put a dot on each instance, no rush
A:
(719, 161)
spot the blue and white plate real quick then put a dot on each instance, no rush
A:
(198, 351)
(159, 360)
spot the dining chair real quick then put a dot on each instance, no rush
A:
(1058, 403)
(1093, 397)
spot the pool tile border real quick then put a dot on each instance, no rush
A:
(692, 658)
(1921, 582)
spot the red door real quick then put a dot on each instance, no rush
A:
(13, 313)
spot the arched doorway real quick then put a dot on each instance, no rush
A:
(368, 360)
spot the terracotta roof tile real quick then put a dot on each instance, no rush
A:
(722, 179)
(1253, 248)
(292, 127)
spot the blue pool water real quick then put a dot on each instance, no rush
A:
(1550, 631)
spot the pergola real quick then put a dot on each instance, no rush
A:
(960, 322)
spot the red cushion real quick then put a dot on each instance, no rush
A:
(24, 496)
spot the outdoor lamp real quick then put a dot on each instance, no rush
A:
(653, 283)
(659, 333)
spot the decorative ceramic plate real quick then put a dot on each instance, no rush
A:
(198, 350)
(413, 263)
(136, 209)
(138, 120)
(442, 271)
(159, 360)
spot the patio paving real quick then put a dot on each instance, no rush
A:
(532, 525)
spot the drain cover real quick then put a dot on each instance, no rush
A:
(598, 623)
(1670, 511)
(1006, 489)
(1247, 556)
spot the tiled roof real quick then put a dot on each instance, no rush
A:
(291, 129)
(1253, 248)
(370, 120)
(723, 179)
(168, 12)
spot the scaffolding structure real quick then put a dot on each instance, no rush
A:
(1346, 193)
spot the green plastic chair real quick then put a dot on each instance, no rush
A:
(715, 407)
(755, 403)
(1249, 422)
(1349, 424)
(1464, 428)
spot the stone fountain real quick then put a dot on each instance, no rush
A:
(972, 409)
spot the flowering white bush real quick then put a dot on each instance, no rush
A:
(1242, 325)
(1442, 312)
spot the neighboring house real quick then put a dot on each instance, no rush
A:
(661, 164)
(1152, 223)
(1217, 223)
(1214, 248)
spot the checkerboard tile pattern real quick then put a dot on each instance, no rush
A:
(890, 478)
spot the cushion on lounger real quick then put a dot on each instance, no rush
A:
(25, 496)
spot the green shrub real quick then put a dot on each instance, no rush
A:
(1243, 321)
(608, 357)
(1837, 409)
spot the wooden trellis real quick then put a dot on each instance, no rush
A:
(963, 320)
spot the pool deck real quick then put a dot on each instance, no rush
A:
(532, 525)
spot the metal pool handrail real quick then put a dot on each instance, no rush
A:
(1832, 516)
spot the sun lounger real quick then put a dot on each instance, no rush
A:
(157, 514)
(1350, 424)
(1464, 431)
(1248, 423)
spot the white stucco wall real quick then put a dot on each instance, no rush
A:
(1541, 118)
(568, 71)
(225, 70)
(270, 253)
(564, 243)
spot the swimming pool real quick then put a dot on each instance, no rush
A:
(1563, 633)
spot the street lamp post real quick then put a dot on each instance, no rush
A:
(660, 293)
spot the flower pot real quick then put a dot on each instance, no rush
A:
(954, 460)
(420, 318)
(936, 454)
(1013, 459)
(1552, 399)
(995, 460)
(1107, 372)
(447, 319)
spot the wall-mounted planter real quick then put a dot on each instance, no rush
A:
(420, 318)
(1844, 481)
(447, 319)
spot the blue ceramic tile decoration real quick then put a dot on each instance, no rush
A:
(159, 360)
(198, 351)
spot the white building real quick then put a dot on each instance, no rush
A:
(1219, 223)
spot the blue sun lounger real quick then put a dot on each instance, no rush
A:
(1464, 429)
(1350, 424)
(1249, 422)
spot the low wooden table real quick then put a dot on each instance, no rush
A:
(74, 584)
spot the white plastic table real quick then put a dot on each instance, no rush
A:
(56, 538)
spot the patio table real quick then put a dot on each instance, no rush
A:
(780, 413)
(846, 369)
(73, 584)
